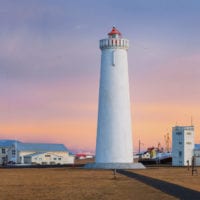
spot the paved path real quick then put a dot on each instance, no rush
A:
(169, 188)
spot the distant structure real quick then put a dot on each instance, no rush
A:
(167, 142)
(4, 148)
(114, 148)
(182, 145)
(85, 155)
(197, 154)
(16, 152)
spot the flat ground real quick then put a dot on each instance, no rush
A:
(78, 184)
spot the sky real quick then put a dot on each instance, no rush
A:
(50, 68)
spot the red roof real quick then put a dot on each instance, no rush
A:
(80, 155)
(114, 31)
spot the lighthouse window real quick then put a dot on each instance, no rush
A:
(109, 42)
(106, 42)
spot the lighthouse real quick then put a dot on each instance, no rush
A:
(114, 148)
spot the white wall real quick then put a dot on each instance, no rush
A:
(21, 155)
(11, 157)
(3, 155)
(114, 132)
(50, 158)
(189, 146)
(182, 145)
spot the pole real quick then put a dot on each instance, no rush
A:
(139, 145)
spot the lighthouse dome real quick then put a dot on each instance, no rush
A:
(114, 33)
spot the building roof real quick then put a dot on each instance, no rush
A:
(183, 128)
(40, 153)
(37, 147)
(34, 154)
(7, 143)
(40, 147)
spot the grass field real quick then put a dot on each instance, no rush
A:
(74, 183)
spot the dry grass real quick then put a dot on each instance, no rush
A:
(84, 161)
(69, 183)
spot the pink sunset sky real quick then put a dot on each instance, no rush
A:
(50, 64)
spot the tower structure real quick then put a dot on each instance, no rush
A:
(182, 145)
(114, 148)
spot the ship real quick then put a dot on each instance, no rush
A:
(154, 156)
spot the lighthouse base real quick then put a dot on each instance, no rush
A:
(114, 166)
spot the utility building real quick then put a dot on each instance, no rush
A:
(4, 147)
(12, 151)
(182, 145)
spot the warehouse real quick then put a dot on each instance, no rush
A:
(37, 153)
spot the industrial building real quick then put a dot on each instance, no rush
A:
(34, 153)
(182, 145)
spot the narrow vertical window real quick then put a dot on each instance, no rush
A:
(109, 43)
(113, 58)
(123, 43)
(13, 152)
(106, 43)
(3, 151)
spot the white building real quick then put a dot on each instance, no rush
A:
(182, 145)
(114, 147)
(4, 147)
(38, 153)
(48, 158)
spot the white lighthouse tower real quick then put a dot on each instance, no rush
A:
(114, 148)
